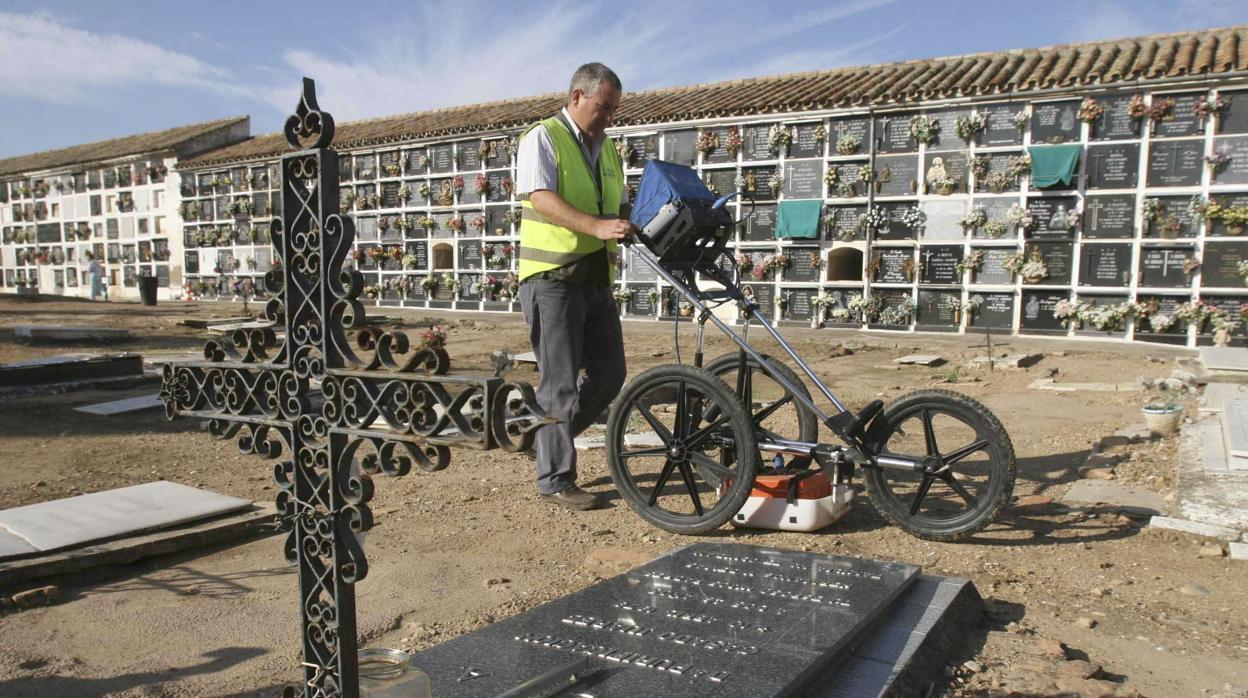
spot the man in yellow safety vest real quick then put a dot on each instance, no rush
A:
(574, 206)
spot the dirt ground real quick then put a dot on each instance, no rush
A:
(1079, 602)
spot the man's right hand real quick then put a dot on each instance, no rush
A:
(611, 229)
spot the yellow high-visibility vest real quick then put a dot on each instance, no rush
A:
(545, 246)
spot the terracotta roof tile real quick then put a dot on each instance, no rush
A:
(150, 142)
(1009, 73)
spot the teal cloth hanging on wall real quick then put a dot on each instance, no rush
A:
(798, 219)
(1051, 164)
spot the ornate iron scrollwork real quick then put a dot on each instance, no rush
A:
(384, 405)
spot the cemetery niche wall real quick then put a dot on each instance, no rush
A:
(1157, 202)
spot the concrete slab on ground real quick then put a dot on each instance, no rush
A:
(1008, 360)
(250, 325)
(76, 520)
(1214, 398)
(920, 359)
(13, 546)
(130, 404)
(527, 357)
(1203, 493)
(643, 440)
(1238, 551)
(1224, 358)
(70, 333)
(1133, 500)
(204, 323)
(93, 366)
(1197, 528)
(252, 521)
(1235, 428)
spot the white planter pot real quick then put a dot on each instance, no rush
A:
(1163, 422)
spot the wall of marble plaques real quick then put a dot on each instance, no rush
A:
(1108, 252)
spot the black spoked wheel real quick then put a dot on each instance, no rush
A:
(670, 447)
(773, 410)
(974, 459)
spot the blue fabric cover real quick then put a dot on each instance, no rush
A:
(664, 182)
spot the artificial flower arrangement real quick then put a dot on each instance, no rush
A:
(1090, 110)
(968, 127)
(1020, 217)
(778, 138)
(846, 142)
(924, 129)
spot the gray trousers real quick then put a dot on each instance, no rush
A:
(571, 326)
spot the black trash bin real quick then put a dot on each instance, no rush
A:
(147, 290)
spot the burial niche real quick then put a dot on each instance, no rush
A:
(443, 256)
(844, 264)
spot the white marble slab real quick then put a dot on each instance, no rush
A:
(644, 439)
(920, 359)
(1217, 394)
(1235, 428)
(1224, 358)
(11, 545)
(132, 404)
(65, 522)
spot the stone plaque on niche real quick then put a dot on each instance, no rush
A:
(844, 227)
(1115, 122)
(1051, 213)
(441, 159)
(755, 145)
(940, 168)
(720, 154)
(1162, 267)
(756, 180)
(893, 299)
(803, 264)
(804, 144)
(1234, 118)
(764, 294)
(1166, 305)
(896, 175)
(640, 150)
(469, 254)
(417, 161)
(761, 225)
(1001, 129)
(997, 179)
(992, 270)
(495, 223)
(995, 208)
(799, 303)
(1057, 257)
(636, 269)
(1219, 268)
(1038, 307)
(1235, 171)
(1054, 122)
(1175, 164)
(947, 137)
(943, 219)
(848, 184)
(389, 160)
(1105, 265)
(639, 300)
(892, 134)
(803, 180)
(420, 250)
(937, 264)
(1218, 228)
(1113, 166)
(1109, 216)
(1182, 120)
(681, 146)
(469, 154)
(721, 182)
(893, 266)
(496, 192)
(851, 128)
(934, 309)
(390, 194)
(895, 228)
(1229, 305)
(1175, 220)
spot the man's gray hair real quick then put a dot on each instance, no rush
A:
(589, 77)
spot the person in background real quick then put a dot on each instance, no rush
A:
(573, 212)
(95, 272)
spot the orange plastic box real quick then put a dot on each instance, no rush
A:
(807, 504)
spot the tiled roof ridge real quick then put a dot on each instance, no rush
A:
(1020, 70)
(226, 121)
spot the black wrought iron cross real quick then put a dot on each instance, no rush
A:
(383, 405)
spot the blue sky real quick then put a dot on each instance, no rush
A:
(74, 72)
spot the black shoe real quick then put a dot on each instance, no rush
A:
(574, 498)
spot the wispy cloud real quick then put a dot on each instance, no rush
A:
(484, 52)
(47, 60)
